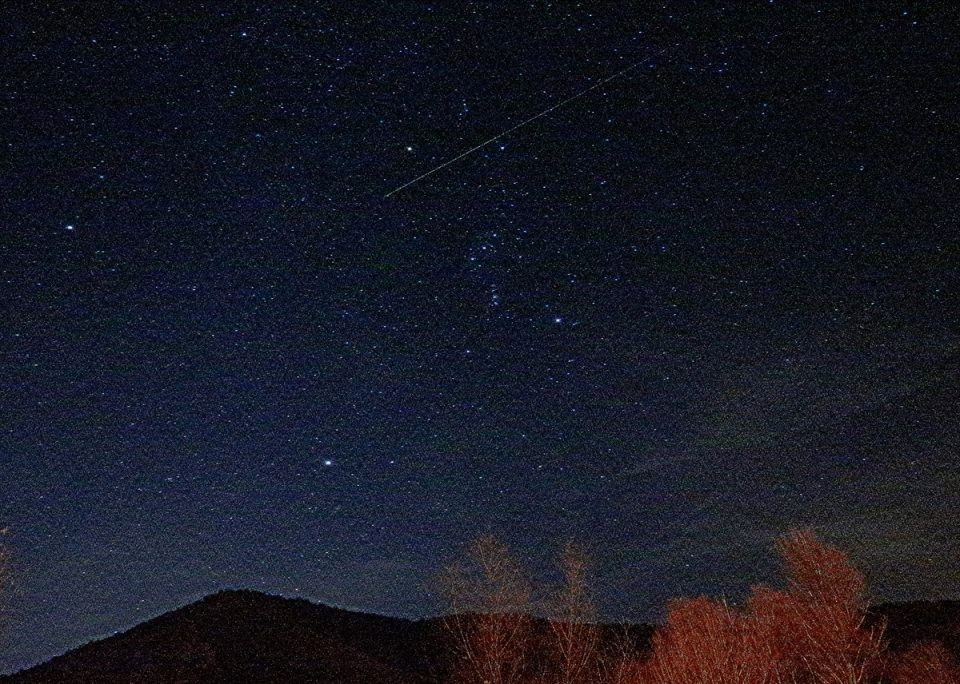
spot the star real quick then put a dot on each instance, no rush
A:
(265, 313)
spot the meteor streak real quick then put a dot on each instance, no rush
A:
(526, 121)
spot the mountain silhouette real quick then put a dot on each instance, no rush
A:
(246, 636)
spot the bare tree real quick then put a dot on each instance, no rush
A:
(827, 600)
(490, 623)
(621, 661)
(575, 635)
(930, 663)
(813, 632)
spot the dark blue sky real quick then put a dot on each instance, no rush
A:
(708, 301)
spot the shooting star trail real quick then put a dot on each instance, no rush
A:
(526, 121)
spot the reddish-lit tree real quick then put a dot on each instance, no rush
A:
(621, 661)
(823, 614)
(811, 632)
(700, 644)
(574, 634)
(490, 624)
(926, 663)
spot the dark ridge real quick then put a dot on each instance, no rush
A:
(246, 636)
(916, 621)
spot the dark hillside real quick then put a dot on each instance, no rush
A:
(246, 636)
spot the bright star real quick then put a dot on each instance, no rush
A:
(69, 226)
(327, 462)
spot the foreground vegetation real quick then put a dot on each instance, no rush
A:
(813, 630)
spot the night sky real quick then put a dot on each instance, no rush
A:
(715, 298)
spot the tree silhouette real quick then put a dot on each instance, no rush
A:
(490, 623)
(814, 630)
(811, 632)
(929, 663)
(574, 633)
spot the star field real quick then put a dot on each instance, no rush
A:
(710, 300)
